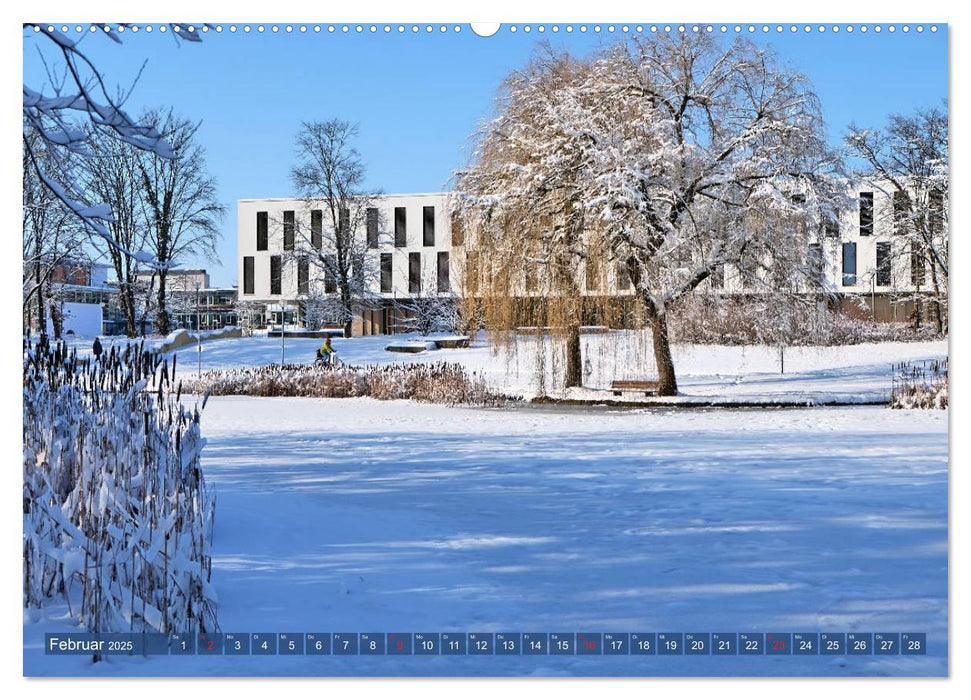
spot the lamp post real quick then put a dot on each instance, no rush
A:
(873, 296)
(198, 334)
(283, 334)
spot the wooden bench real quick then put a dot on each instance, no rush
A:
(619, 386)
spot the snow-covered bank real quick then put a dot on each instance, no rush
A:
(850, 372)
(358, 515)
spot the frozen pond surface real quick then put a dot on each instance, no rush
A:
(363, 516)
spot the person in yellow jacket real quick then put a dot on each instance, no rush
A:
(326, 352)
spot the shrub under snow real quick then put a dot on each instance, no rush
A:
(441, 382)
(733, 321)
(117, 517)
(919, 385)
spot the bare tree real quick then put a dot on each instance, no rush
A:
(343, 219)
(180, 199)
(908, 162)
(655, 164)
(112, 175)
(79, 97)
(427, 313)
(249, 315)
(50, 239)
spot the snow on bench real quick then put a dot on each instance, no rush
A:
(450, 341)
(433, 343)
(619, 386)
(411, 346)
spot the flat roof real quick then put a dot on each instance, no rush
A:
(376, 196)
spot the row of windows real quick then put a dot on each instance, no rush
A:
(831, 229)
(442, 282)
(372, 222)
(918, 267)
(902, 220)
(883, 269)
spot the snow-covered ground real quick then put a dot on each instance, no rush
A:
(356, 515)
(850, 373)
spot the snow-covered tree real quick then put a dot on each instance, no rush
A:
(76, 103)
(50, 239)
(908, 162)
(428, 313)
(319, 309)
(179, 196)
(249, 315)
(657, 163)
(329, 241)
(111, 176)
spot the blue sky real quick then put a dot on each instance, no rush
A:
(418, 97)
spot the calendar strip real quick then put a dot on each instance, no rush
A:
(493, 644)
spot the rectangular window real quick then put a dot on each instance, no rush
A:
(472, 272)
(414, 273)
(866, 213)
(357, 270)
(428, 226)
(849, 264)
(443, 283)
(372, 227)
(816, 263)
(317, 228)
(303, 276)
(400, 227)
(901, 218)
(458, 232)
(262, 230)
(935, 214)
(532, 276)
(330, 276)
(385, 272)
(592, 274)
(276, 274)
(289, 226)
(248, 277)
(831, 228)
(883, 264)
(623, 276)
(918, 268)
(344, 225)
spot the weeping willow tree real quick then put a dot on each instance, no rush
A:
(531, 265)
(641, 172)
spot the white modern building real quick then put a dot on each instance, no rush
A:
(410, 246)
(406, 241)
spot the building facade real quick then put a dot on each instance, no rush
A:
(404, 241)
(192, 302)
(413, 251)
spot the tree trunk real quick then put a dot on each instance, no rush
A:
(162, 324)
(57, 321)
(667, 382)
(348, 311)
(938, 310)
(127, 302)
(574, 362)
(41, 311)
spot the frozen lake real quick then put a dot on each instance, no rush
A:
(363, 516)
